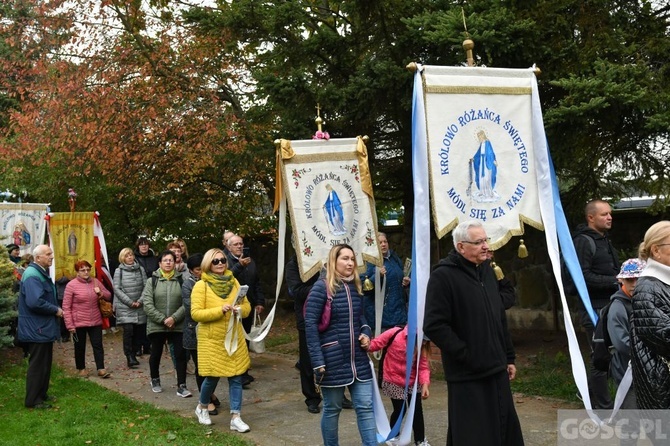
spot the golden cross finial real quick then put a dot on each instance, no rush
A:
(318, 119)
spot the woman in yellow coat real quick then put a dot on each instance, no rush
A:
(222, 349)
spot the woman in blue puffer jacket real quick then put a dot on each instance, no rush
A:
(338, 351)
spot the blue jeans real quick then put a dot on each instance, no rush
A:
(207, 389)
(234, 391)
(361, 396)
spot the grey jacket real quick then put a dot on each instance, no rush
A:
(190, 340)
(618, 327)
(129, 282)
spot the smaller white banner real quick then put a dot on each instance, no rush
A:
(23, 224)
(327, 206)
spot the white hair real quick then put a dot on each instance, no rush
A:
(230, 240)
(40, 250)
(460, 233)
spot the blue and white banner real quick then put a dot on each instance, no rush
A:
(23, 224)
(480, 149)
(329, 192)
(482, 138)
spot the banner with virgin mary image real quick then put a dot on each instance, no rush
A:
(480, 149)
(328, 189)
(479, 146)
(23, 225)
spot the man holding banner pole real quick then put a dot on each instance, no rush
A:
(465, 318)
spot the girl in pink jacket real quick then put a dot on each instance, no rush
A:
(82, 316)
(393, 382)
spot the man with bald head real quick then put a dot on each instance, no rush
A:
(599, 262)
(38, 327)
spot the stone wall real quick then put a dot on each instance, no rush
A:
(538, 303)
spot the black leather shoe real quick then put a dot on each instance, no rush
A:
(347, 404)
(247, 379)
(313, 408)
(132, 361)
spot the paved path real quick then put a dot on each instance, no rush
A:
(273, 405)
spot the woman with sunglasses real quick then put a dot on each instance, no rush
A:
(164, 307)
(222, 349)
(338, 351)
(82, 317)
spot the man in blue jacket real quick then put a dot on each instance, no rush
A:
(38, 325)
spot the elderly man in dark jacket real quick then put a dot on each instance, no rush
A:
(465, 318)
(38, 327)
(244, 269)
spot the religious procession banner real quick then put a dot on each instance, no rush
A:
(480, 149)
(71, 235)
(23, 224)
(327, 185)
(478, 134)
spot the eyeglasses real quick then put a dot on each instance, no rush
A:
(221, 260)
(84, 270)
(479, 242)
(238, 244)
(167, 261)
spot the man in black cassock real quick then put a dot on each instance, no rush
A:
(465, 318)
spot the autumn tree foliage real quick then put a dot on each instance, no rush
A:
(162, 113)
(145, 116)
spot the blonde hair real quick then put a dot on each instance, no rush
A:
(332, 279)
(124, 252)
(654, 236)
(206, 265)
(182, 245)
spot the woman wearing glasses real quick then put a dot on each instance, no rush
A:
(165, 319)
(222, 349)
(82, 316)
(338, 349)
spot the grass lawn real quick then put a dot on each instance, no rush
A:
(87, 414)
(546, 375)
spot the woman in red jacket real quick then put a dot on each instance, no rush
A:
(82, 316)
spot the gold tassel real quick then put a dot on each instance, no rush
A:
(523, 251)
(499, 272)
(368, 285)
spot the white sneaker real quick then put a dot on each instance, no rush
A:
(236, 424)
(392, 442)
(203, 415)
(423, 443)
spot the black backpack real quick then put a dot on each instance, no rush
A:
(602, 343)
(380, 366)
(568, 284)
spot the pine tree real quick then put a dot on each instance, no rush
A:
(8, 298)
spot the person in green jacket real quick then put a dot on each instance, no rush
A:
(165, 311)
